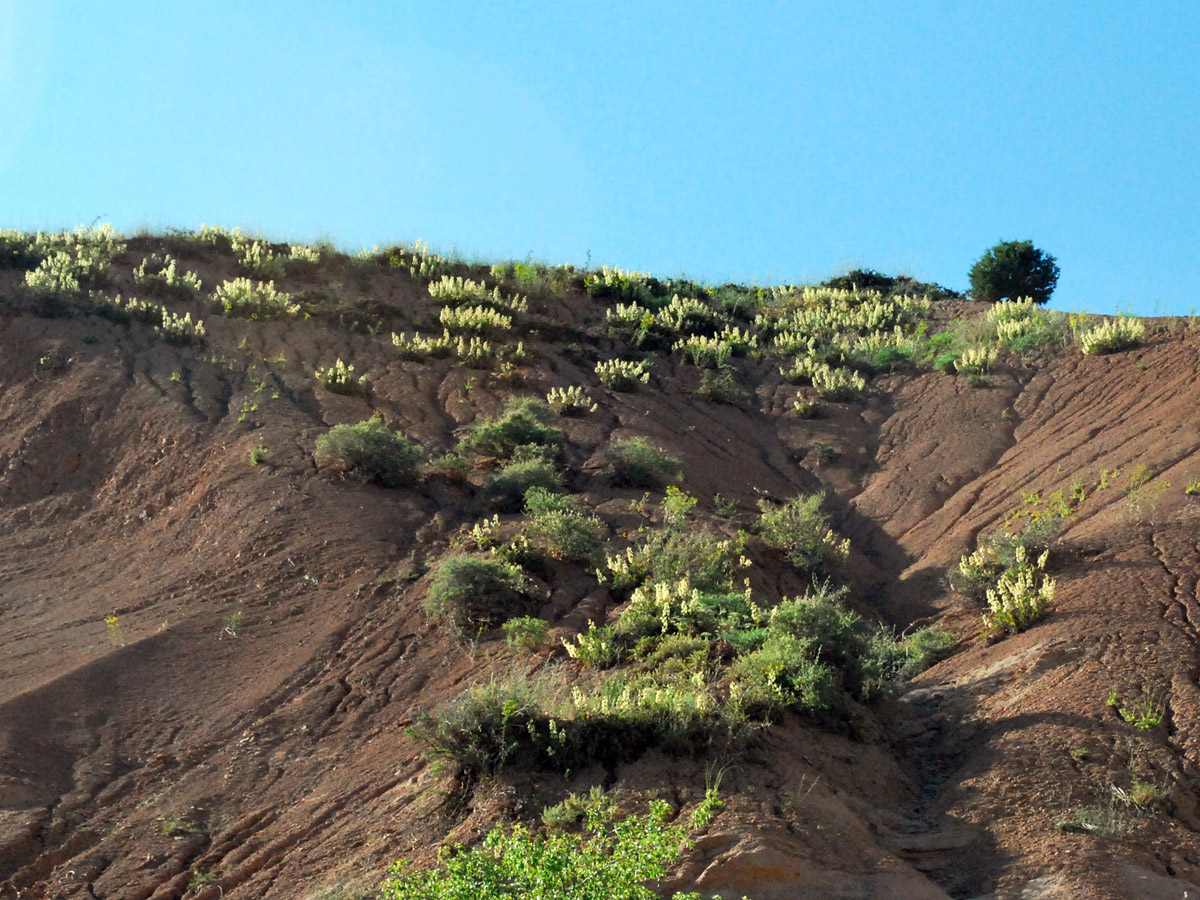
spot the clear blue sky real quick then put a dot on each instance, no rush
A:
(748, 141)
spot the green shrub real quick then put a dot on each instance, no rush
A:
(254, 300)
(802, 532)
(369, 450)
(562, 527)
(508, 485)
(524, 421)
(670, 554)
(486, 727)
(782, 674)
(473, 592)
(1012, 270)
(578, 809)
(639, 464)
(527, 633)
(609, 862)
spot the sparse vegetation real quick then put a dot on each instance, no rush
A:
(803, 533)
(340, 379)
(473, 593)
(622, 374)
(570, 401)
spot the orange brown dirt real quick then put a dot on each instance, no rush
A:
(190, 638)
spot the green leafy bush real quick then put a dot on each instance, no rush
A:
(473, 592)
(1012, 270)
(671, 554)
(639, 464)
(524, 421)
(803, 533)
(527, 633)
(596, 648)
(608, 862)
(369, 450)
(508, 485)
(562, 527)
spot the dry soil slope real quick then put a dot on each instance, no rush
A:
(126, 491)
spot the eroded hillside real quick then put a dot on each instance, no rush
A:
(218, 677)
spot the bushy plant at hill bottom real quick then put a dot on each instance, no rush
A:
(609, 861)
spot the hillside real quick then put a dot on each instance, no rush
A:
(222, 671)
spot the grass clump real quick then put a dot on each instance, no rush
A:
(802, 532)
(473, 592)
(254, 300)
(562, 526)
(639, 464)
(508, 485)
(527, 633)
(371, 451)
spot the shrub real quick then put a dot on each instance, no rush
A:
(254, 300)
(637, 463)
(609, 862)
(473, 592)
(570, 401)
(802, 532)
(370, 450)
(673, 553)
(524, 421)
(526, 633)
(1012, 270)
(1112, 336)
(623, 375)
(562, 526)
(340, 379)
(781, 674)
(506, 488)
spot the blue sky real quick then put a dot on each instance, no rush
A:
(767, 142)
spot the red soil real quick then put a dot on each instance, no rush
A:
(280, 734)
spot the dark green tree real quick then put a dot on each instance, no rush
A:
(1012, 270)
